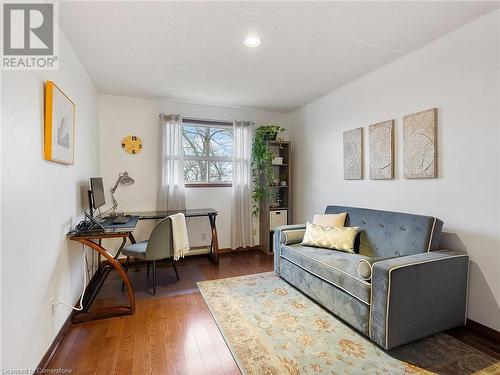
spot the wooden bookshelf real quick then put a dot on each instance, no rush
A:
(282, 195)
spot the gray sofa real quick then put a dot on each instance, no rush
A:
(415, 289)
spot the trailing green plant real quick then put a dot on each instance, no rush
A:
(262, 157)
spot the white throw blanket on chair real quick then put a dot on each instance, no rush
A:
(180, 234)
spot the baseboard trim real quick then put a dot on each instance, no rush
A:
(483, 330)
(56, 343)
(226, 250)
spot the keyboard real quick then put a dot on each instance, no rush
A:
(121, 220)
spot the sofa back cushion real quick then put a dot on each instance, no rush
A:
(386, 233)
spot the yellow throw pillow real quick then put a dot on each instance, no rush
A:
(330, 220)
(340, 238)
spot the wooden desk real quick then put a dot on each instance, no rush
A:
(93, 241)
(197, 212)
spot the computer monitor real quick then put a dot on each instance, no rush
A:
(97, 189)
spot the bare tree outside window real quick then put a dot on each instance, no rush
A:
(208, 152)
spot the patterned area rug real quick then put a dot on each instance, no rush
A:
(272, 328)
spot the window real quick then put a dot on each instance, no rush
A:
(208, 152)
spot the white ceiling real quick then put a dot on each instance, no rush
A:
(192, 51)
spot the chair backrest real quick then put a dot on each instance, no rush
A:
(386, 233)
(160, 244)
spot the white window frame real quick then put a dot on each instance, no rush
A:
(207, 124)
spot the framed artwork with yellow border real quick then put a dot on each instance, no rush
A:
(59, 129)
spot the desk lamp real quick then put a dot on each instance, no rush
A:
(123, 179)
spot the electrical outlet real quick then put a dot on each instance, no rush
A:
(203, 236)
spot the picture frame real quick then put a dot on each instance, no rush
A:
(353, 154)
(420, 145)
(381, 147)
(59, 125)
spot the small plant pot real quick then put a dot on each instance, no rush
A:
(271, 136)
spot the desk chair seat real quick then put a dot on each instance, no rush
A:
(136, 250)
(159, 246)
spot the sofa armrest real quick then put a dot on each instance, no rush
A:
(278, 231)
(417, 295)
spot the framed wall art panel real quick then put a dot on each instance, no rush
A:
(59, 127)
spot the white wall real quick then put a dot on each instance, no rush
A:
(40, 201)
(122, 116)
(460, 75)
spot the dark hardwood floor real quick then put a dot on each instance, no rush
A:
(476, 340)
(173, 332)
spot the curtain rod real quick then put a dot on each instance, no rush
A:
(202, 121)
(193, 120)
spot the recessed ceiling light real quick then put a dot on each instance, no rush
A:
(252, 42)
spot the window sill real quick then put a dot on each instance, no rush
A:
(208, 185)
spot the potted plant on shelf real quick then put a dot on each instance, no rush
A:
(262, 157)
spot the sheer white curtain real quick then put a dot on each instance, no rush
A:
(241, 213)
(171, 192)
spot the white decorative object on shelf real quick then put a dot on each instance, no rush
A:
(277, 160)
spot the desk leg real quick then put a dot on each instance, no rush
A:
(111, 311)
(94, 289)
(98, 256)
(103, 274)
(124, 241)
(214, 246)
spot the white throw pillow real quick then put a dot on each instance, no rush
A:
(330, 220)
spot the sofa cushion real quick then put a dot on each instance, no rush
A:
(335, 267)
(385, 233)
(343, 305)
